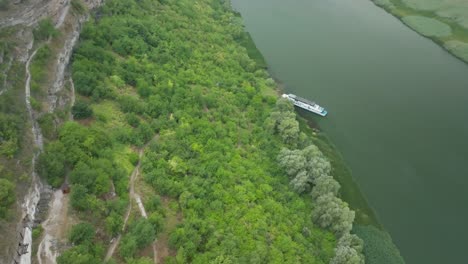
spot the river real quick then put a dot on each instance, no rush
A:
(397, 105)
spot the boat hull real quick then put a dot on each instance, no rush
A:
(306, 105)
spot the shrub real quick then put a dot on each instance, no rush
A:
(82, 233)
(45, 29)
(81, 110)
(47, 124)
(7, 196)
(78, 6)
(37, 232)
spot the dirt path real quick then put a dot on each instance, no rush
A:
(144, 215)
(55, 228)
(135, 172)
(72, 103)
(137, 198)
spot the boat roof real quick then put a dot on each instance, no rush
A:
(301, 99)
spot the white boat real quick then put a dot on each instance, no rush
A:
(306, 104)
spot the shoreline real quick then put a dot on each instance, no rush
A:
(366, 217)
(350, 191)
(400, 11)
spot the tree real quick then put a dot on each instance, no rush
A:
(288, 129)
(317, 163)
(78, 255)
(81, 110)
(82, 233)
(143, 231)
(45, 29)
(301, 182)
(9, 130)
(128, 246)
(157, 220)
(78, 197)
(325, 185)
(332, 213)
(7, 196)
(114, 223)
(52, 163)
(348, 250)
(293, 161)
(283, 121)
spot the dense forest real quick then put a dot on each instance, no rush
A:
(171, 90)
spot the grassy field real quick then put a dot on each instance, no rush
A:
(435, 19)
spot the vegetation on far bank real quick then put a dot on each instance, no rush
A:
(445, 21)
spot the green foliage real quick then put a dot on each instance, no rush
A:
(39, 73)
(9, 132)
(428, 26)
(114, 223)
(283, 120)
(4, 4)
(77, 6)
(7, 196)
(309, 167)
(52, 163)
(348, 250)
(37, 232)
(140, 261)
(378, 246)
(176, 67)
(78, 197)
(82, 233)
(81, 110)
(141, 234)
(82, 254)
(246, 41)
(48, 126)
(35, 104)
(128, 247)
(460, 49)
(331, 212)
(304, 166)
(45, 29)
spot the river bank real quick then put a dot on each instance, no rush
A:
(443, 23)
(350, 189)
(366, 219)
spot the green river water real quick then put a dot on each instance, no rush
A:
(398, 112)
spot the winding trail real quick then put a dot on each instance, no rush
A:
(133, 176)
(72, 101)
(133, 195)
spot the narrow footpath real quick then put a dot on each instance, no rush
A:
(135, 196)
